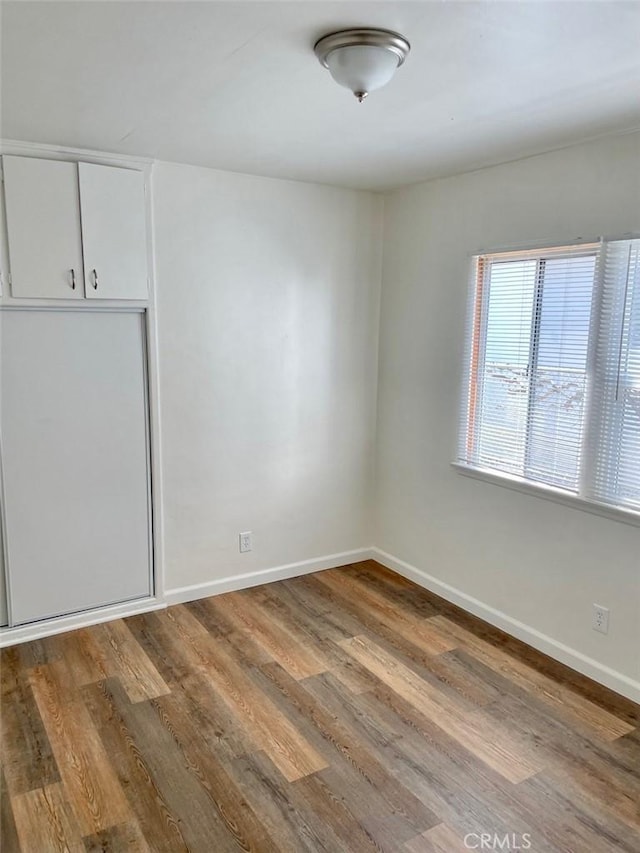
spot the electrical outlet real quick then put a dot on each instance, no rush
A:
(600, 619)
(245, 542)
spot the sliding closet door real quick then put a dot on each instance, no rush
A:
(3, 587)
(75, 460)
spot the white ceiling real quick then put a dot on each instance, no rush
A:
(236, 85)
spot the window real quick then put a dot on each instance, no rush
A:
(552, 389)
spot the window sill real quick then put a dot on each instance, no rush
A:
(548, 493)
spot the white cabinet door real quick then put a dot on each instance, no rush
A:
(43, 222)
(75, 460)
(113, 232)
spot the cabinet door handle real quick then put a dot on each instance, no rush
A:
(95, 280)
(73, 279)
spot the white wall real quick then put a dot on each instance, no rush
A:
(268, 303)
(538, 562)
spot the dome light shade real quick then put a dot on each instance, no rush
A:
(362, 60)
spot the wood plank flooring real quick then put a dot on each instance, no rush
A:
(348, 710)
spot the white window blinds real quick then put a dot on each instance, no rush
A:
(615, 445)
(552, 388)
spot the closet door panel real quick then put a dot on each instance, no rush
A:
(3, 587)
(75, 460)
(113, 232)
(43, 223)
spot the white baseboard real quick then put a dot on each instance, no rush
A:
(61, 624)
(616, 681)
(278, 573)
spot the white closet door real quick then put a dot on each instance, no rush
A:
(113, 232)
(3, 586)
(43, 223)
(75, 460)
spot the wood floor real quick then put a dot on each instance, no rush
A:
(343, 711)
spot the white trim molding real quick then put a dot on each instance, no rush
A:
(62, 624)
(278, 573)
(22, 148)
(572, 658)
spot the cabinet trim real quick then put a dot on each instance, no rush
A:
(60, 152)
(62, 624)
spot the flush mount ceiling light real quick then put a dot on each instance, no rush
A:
(362, 59)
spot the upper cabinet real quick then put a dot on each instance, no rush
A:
(43, 223)
(76, 230)
(113, 232)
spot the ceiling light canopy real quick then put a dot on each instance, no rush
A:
(362, 59)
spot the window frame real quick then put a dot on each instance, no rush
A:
(472, 377)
